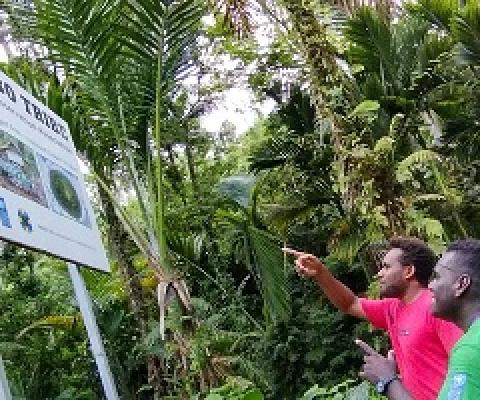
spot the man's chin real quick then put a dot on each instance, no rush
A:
(391, 292)
(436, 311)
(387, 294)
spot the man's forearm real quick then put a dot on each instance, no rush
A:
(340, 295)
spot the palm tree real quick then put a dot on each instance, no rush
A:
(125, 60)
(123, 64)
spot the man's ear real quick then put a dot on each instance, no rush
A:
(409, 271)
(461, 285)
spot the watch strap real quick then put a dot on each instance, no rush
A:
(386, 382)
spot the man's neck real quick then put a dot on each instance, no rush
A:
(468, 315)
(412, 292)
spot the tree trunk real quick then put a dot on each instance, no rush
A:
(320, 56)
(118, 242)
(191, 165)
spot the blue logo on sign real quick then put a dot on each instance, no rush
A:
(25, 220)
(4, 218)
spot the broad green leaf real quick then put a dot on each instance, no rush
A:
(367, 108)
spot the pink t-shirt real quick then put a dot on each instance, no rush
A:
(421, 342)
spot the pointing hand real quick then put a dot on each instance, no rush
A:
(306, 264)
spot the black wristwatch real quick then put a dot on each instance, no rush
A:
(382, 384)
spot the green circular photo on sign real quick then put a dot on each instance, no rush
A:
(65, 193)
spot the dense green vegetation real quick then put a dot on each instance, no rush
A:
(375, 132)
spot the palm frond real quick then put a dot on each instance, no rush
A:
(433, 50)
(466, 28)
(269, 261)
(371, 40)
(437, 12)
(191, 247)
(53, 321)
(81, 38)
(408, 38)
(164, 31)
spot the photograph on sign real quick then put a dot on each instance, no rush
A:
(18, 169)
(64, 192)
(43, 199)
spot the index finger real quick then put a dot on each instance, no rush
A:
(292, 252)
(365, 347)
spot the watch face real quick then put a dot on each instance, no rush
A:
(380, 386)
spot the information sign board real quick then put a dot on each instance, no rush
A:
(43, 199)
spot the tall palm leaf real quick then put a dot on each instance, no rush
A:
(260, 249)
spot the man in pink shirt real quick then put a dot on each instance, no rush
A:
(421, 342)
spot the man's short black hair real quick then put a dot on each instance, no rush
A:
(468, 251)
(415, 252)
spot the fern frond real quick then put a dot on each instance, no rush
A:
(415, 160)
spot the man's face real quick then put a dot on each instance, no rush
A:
(443, 287)
(392, 275)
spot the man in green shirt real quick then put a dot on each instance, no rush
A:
(456, 297)
(455, 287)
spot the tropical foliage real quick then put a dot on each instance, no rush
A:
(374, 132)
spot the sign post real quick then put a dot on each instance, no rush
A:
(44, 203)
(85, 305)
(4, 388)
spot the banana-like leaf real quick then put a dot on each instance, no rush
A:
(367, 108)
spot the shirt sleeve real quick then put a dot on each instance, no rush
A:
(377, 311)
(462, 381)
(448, 333)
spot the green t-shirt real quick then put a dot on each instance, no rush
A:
(463, 375)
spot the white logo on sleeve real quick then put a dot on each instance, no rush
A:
(459, 382)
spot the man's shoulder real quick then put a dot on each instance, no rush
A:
(385, 301)
(469, 344)
(422, 304)
(379, 312)
(385, 304)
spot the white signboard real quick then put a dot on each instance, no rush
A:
(43, 201)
